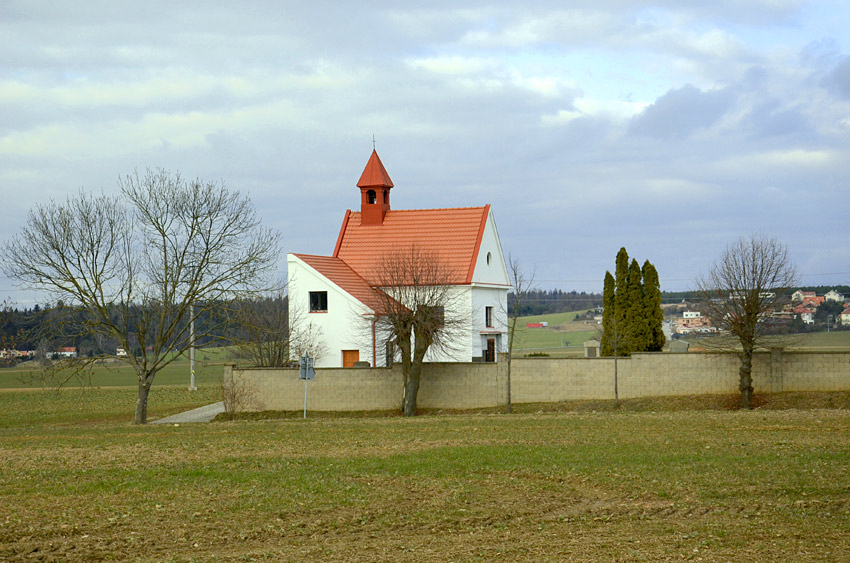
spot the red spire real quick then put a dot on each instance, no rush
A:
(375, 186)
(375, 175)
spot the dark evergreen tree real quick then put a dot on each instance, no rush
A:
(621, 302)
(636, 329)
(607, 344)
(632, 309)
(652, 307)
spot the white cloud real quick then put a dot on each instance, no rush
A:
(454, 65)
(632, 115)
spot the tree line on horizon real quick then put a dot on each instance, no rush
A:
(50, 327)
(548, 301)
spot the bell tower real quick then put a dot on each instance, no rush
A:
(375, 186)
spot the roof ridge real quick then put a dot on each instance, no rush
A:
(474, 207)
(317, 256)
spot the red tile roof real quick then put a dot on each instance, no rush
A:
(804, 309)
(342, 275)
(374, 175)
(814, 300)
(453, 235)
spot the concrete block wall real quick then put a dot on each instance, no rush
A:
(533, 380)
(546, 380)
(461, 386)
(333, 389)
(815, 371)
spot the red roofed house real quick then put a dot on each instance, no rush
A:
(845, 316)
(797, 296)
(806, 312)
(329, 293)
(67, 352)
(814, 300)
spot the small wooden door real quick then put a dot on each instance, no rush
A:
(490, 353)
(350, 357)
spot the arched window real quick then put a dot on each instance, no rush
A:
(489, 257)
(371, 196)
(386, 197)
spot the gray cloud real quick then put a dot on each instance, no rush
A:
(682, 111)
(839, 78)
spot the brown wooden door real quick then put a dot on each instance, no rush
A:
(490, 353)
(350, 357)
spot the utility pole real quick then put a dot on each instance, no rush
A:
(192, 347)
(616, 392)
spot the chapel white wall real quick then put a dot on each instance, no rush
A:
(342, 327)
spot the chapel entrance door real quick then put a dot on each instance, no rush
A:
(490, 352)
(350, 357)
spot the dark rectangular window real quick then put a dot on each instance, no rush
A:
(318, 301)
(488, 317)
(431, 316)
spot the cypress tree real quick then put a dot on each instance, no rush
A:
(636, 327)
(632, 308)
(652, 307)
(621, 302)
(607, 344)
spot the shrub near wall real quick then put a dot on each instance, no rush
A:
(540, 380)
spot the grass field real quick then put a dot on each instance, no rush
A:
(208, 370)
(563, 337)
(649, 483)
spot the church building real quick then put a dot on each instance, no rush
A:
(329, 296)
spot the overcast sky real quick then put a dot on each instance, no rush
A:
(670, 128)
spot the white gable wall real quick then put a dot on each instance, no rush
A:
(342, 327)
(495, 272)
(490, 285)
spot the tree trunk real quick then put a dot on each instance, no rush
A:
(746, 379)
(511, 354)
(411, 383)
(411, 389)
(145, 382)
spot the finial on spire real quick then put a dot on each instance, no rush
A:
(373, 141)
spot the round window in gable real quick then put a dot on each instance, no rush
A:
(489, 257)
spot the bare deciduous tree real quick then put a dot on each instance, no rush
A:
(739, 293)
(262, 330)
(419, 313)
(135, 262)
(522, 284)
(305, 338)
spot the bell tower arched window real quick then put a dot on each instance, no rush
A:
(371, 196)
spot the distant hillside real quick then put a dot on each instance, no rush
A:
(544, 302)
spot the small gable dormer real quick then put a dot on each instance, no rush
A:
(375, 186)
